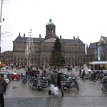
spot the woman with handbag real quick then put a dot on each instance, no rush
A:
(55, 82)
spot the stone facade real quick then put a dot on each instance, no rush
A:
(102, 46)
(98, 50)
(6, 57)
(92, 52)
(37, 51)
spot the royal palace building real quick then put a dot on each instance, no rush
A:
(37, 51)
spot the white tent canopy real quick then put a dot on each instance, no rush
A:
(98, 62)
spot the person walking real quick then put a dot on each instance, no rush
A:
(3, 86)
(83, 74)
(56, 81)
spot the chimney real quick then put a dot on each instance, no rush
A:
(60, 37)
(39, 35)
(74, 37)
(24, 35)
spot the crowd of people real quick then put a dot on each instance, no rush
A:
(93, 75)
(55, 79)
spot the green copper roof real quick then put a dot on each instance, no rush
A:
(50, 22)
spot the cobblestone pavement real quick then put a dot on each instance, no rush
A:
(90, 95)
(27, 102)
(87, 101)
(19, 95)
(55, 102)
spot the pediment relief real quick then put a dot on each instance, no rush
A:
(50, 40)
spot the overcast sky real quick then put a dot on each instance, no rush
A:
(84, 18)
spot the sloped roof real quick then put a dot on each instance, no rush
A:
(67, 41)
(72, 41)
(18, 38)
(93, 45)
(24, 39)
(105, 38)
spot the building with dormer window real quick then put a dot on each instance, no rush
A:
(38, 50)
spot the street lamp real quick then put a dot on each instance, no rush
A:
(1, 5)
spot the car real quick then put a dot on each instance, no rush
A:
(12, 75)
(7, 77)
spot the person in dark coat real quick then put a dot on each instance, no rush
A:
(56, 81)
(2, 89)
(83, 74)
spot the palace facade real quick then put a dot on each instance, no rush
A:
(37, 51)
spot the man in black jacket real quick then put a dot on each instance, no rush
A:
(56, 81)
(2, 89)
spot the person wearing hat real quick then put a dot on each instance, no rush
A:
(3, 86)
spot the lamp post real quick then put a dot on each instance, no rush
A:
(1, 5)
